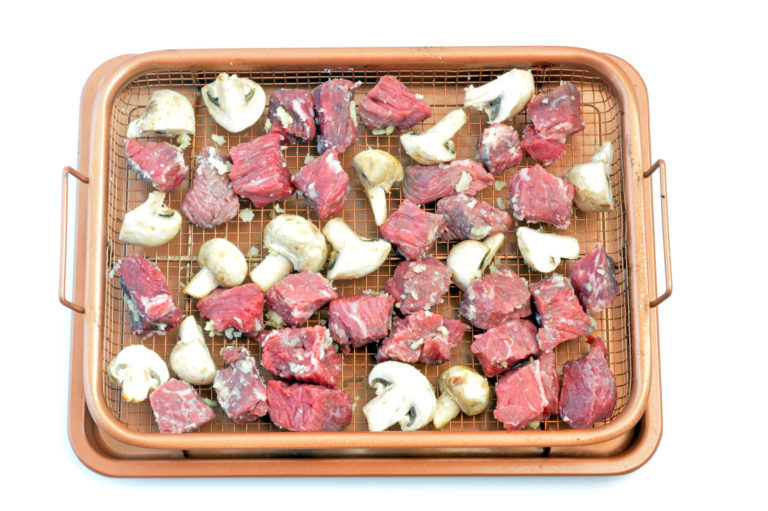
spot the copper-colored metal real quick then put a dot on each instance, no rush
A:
(63, 247)
(664, 228)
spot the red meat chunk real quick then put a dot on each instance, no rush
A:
(146, 294)
(178, 408)
(499, 148)
(306, 407)
(427, 183)
(419, 285)
(323, 183)
(544, 150)
(503, 346)
(337, 128)
(240, 309)
(422, 337)
(594, 280)
(521, 397)
(301, 354)
(158, 163)
(211, 200)
(557, 114)
(589, 388)
(496, 298)
(355, 321)
(291, 114)
(299, 295)
(240, 391)
(391, 103)
(536, 195)
(549, 381)
(412, 230)
(467, 218)
(558, 312)
(259, 172)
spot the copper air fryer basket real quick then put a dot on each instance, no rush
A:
(440, 75)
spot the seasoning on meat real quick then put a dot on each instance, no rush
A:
(427, 183)
(211, 200)
(412, 230)
(234, 312)
(299, 295)
(259, 171)
(422, 337)
(291, 114)
(499, 148)
(470, 219)
(158, 163)
(594, 280)
(521, 397)
(301, 354)
(505, 345)
(419, 285)
(355, 321)
(558, 312)
(178, 408)
(391, 103)
(323, 183)
(589, 393)
(543, 150)
(496, 298)
(240, 391)
(535, 195)
(306, 407)
(557, 114)
(335, 115)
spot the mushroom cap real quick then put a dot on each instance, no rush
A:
(354, 256)
(151, 224)
(224, 260)
(403, 394)
(543, 251)
(298, 240)
(377, 168)
(190, 359)
(466, 262)
(167, 113)
(468, 389)
(234, 103)
(435, 145)
(139, 370)
(502, 97)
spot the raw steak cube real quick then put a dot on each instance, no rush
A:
(299, 295)
(158, 163)
(427, 183)
(334, 114)
(589, 388)
(557, 114)
(234, 312)
(496, 298)
(503, 346)
(211, 200)
(305, 407)
(419, 285)
(467, 218)
(594, 280)
(549, 381)
(412, 230)
(422, 337)
(146, 294)
(240, 391)
(291, 114)
(499, 148)
(391, 103)
(520, 396)
(323, 183)
(178, 408)
(355, 321)
(301, 354)
(558, 312)
(544, 150)
(536, 195)
(258, 170)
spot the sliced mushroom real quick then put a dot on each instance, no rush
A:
(222, 265)
(167, 113)
(235, 103)
(435, 145)
(353, 256)
(377, 171)
(543, 251)
(503, 97)
(403, 395)
(139, 371)
(592, 181)
(190, 359)
(151, 224)
(461, 389)
(469, 258)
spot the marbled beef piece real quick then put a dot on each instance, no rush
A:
(412, 230)
(594, 280)
(521, 397)
(496, 298)
(391, 103)
(335, 115)
(259, 171)
(543, 150)
(419, 285)
(210, 201)
(422, 337)
(234, 312)
(549, 380)
(306, 407)
(323, 183)
(158, 163)
(470, 219)
(589, 393)
(557, 114)
(499, 148)
(355, 321)
(291, 114)
(558, 312)
(147, 297)
(302, 354)
(299, 295)
(178, 408)
(535, 195)
(427, 183)
(240, 391)
(505, 345)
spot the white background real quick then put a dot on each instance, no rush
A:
(705, 71)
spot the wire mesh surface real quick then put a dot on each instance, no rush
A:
(444, 91)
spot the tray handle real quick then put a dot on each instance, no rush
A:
(63, 248)
(662, 167)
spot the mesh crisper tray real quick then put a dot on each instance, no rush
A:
(443, 90)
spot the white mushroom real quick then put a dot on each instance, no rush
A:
(461, 389)
(503, 97)
(592, 181)
(543, 251)
(235, 103)
(435, 145)
(151, 224)
(403, 395)
(139, 371)
(167, 113)
(190, 358)
(293, 243)
(377, 171)
(469, 258)
(222, 265)
(353, 256)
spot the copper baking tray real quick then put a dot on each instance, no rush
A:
(615, 108)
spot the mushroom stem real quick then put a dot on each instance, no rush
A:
(202, 284)
(385, 410)
(355, 256)
(435, 145)
(445, 410)
(378, 199)
(338, 233)
(136, 384)
(271, 270)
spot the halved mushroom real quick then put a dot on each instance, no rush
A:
(167, 113)
(190, 359)
(377, 171)
(543, 251)
(222, 265)
(592, 181)
(151, 224)
(503, 97)
(461, 389)
(139, 371)
(435, 145)
(403, 395)
(235, 103)
(469, 258)
(353, 256)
